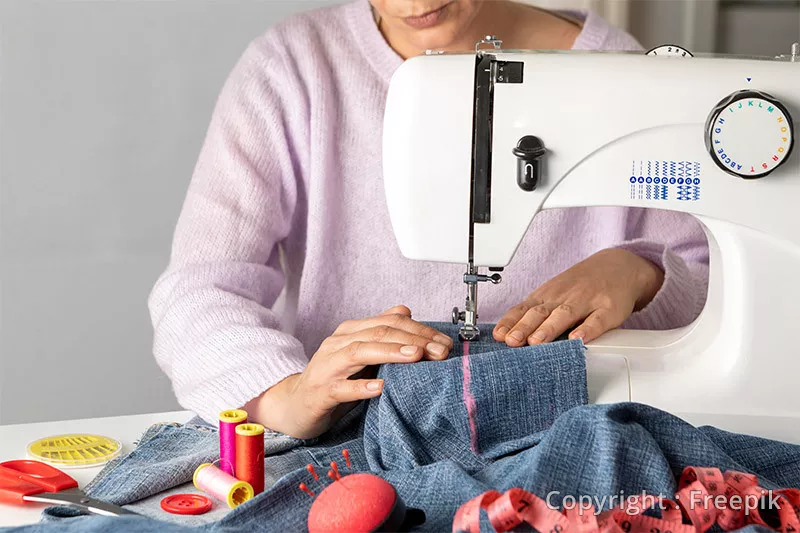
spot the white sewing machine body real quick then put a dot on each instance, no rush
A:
(621, 129)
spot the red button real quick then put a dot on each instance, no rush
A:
(186, 504)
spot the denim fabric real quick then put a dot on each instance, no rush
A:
(421, 417)
(531, 429)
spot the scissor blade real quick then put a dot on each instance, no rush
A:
(76, 499)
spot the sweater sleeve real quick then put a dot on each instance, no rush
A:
(215, 335)
(677, 244)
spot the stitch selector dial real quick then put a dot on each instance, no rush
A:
(749, 134)
(670, 50)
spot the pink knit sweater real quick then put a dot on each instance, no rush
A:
(287, 196)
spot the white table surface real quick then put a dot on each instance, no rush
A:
(14, 441)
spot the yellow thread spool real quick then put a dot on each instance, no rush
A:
(233, 416)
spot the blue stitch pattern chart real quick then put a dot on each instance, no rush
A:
(665, 180)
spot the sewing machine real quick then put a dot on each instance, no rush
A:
(476, 144)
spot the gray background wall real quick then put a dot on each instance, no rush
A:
(103, 107)
(746, 27)
(757, 26)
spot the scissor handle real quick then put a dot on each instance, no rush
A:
(25, 477)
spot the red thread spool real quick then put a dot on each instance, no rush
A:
(361, 503)
(250, 455)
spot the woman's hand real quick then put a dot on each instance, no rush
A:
(593, 297)
(341, 372)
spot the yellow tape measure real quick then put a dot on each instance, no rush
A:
(74, 450)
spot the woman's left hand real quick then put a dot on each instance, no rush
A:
(593, 297)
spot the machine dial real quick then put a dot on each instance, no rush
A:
(749, 134)
(670, 50)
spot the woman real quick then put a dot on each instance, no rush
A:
(289, 181)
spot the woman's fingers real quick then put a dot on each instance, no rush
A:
(356, 355)
(397, 310)
(434, 349)
(398, 321)
(596, 324)
(509, 320)
(546, 322)
(351, 390)
(527, 324)
(561, 318)
(394, 325)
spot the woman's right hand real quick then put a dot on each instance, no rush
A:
(341, 372)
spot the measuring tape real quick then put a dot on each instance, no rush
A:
(516, 506)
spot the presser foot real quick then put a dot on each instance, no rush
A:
(468, 332)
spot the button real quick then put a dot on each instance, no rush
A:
(186, 504)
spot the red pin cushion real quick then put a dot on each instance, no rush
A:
(361, 503)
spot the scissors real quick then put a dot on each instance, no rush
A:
(33, 481)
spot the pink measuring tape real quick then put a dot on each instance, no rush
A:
(705, 497)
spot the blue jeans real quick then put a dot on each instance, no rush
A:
(442, 433)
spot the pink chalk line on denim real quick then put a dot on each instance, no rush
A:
(469, 401)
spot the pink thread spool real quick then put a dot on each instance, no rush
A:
(222, 486)
(228, 420)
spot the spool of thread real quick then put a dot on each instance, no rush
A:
(222, 486)
(228, 421)
(250, 455)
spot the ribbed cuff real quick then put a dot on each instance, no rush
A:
(249, 376)
(678, 302)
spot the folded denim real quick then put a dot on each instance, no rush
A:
(442, 433)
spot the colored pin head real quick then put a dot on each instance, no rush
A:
(305, 489)
(334, 472)
(346, 455)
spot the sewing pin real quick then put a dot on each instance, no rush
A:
(334, 472)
